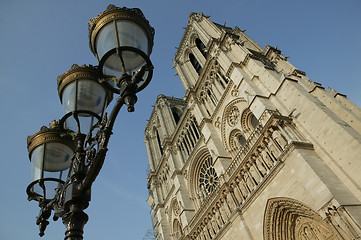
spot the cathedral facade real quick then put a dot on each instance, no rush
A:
(254, 150)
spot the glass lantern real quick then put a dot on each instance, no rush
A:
(50, 153)
(121, 39)
(84, 96)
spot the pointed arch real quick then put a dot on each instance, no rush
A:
(236, 139)
(177, 113)
(197, 66)
(248, 121)
(289, 219)
(201, 47)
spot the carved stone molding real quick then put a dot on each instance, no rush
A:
(287, 218)
(231, 119)
(233, 116)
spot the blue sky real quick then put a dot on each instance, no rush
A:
(42, 39)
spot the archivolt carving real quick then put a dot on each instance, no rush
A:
(248, 121)
(289, 219)
(192, 40)
(234, 139)
(194, 169)
(233, 116)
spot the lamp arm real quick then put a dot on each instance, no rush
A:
(105, 133)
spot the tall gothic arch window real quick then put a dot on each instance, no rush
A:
(201, 47)
(195, 63)
(159, 142)
(176, 115)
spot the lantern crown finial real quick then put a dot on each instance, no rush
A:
(112, 13)
(112, 8)
(54, 133)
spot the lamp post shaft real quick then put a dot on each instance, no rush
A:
(74, 222)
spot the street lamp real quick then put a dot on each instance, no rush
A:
(67, 156)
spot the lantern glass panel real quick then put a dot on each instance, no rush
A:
(130, 35)
(50, 160)
(106, 40)
(37, 162)
(86, 122)
(84, 95)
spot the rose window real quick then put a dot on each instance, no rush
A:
(233, 116)
(208, 178)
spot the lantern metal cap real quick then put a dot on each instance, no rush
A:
(54, 133)
(112, 13)
(88, 72)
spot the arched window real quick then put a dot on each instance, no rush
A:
(159, 142)
(201, 47)
(248, 121)
(241, 140)
(254, 121)
(176, 115)
(195, 63)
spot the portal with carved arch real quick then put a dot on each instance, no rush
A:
(290, 219)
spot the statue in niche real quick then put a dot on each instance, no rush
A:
(230, 202)
(265, 157)
(273, 150)
(213, 222)
(259, 165)
(225, 207)
(249, 181)
(343, 227)
(243, 188)
(254, 174)
(279, 139)
(217, 216)
(221, 212)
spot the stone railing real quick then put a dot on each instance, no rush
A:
(253, 164)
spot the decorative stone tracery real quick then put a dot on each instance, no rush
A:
(230, 121)
(233, 116)
(208, 178)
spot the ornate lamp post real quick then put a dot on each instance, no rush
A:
(67, 156)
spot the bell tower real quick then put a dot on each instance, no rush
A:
(253, 147)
